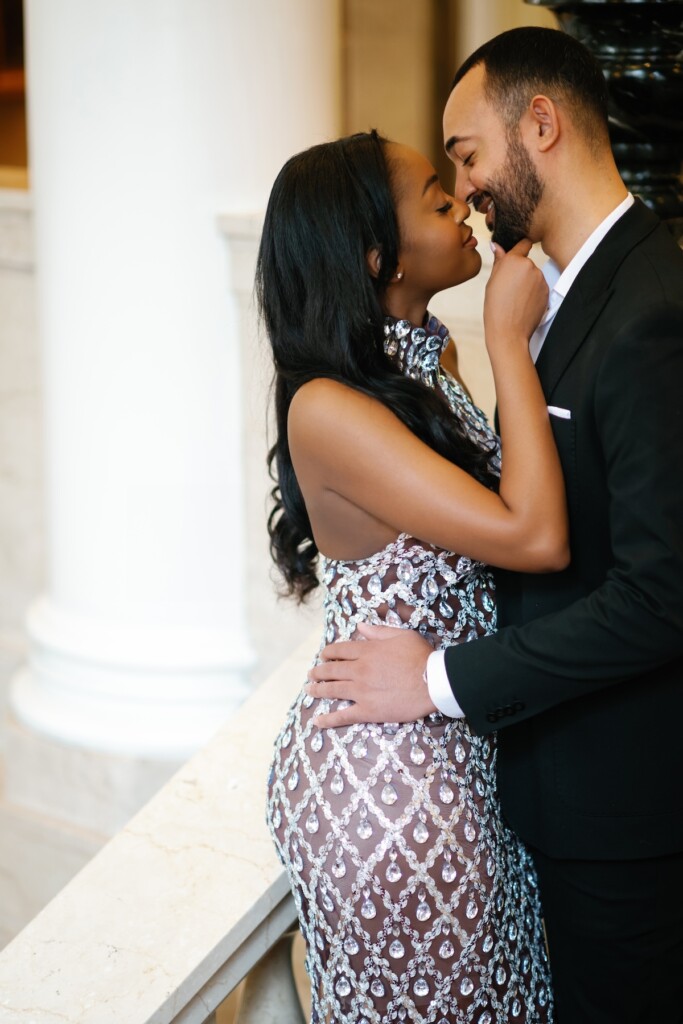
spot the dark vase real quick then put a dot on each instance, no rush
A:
(639, 44)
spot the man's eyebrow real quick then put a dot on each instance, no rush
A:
(454, 140)
(429, 182)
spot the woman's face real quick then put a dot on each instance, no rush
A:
(437, 247)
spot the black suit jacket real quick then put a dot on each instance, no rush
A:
(585, 677)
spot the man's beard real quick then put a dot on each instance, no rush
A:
(516, 194)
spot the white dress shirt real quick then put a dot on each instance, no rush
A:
(559, 283)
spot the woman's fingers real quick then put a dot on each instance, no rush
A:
(523, 247)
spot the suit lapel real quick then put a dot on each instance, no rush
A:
(589, 294)
(569, 330)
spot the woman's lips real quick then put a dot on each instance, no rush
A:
(471, 242)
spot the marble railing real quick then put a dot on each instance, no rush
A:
(181, 905)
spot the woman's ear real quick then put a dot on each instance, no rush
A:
(373, 258)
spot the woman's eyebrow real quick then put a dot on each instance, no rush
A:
(429, 182)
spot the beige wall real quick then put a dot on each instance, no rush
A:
(479, 20)
(388, 68)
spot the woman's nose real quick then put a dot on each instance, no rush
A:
(461, 211)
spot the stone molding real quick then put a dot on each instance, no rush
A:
(128, 691)
(16, 230)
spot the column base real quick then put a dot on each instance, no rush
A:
(149, 693)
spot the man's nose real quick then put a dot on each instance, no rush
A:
(463, 190)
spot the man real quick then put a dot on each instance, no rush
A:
(584, 679)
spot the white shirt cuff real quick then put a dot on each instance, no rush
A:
(439, 687)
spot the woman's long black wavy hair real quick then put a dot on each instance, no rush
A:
(322, 311)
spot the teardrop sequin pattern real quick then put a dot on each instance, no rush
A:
(415, 901)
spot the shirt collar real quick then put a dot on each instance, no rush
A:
(561, 282)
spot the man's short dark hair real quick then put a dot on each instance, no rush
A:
(526, 61)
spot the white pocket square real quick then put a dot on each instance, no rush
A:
(564, 414)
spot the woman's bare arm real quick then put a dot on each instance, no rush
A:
(347, 444)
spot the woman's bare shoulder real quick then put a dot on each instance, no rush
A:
(322, 403)
(330, 423)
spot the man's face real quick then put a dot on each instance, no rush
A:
(493, 170)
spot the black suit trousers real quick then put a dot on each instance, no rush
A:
(615, 938)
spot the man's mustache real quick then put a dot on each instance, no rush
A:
(481, 199)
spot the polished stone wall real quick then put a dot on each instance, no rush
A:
(639, 45)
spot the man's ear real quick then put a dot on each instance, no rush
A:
(542, 123)
(373, 259)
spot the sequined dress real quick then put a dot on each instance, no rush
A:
(415, 900)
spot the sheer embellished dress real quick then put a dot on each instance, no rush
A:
(415, 900)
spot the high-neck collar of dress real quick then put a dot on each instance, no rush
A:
(416, 350)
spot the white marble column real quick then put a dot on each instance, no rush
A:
(146, 120)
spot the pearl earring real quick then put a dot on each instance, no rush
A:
(399, 275)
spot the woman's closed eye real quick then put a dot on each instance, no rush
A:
(447, 206)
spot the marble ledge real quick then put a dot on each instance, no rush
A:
(162, 921)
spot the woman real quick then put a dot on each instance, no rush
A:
(415, 901)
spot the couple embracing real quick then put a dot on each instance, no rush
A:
(507, 764)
